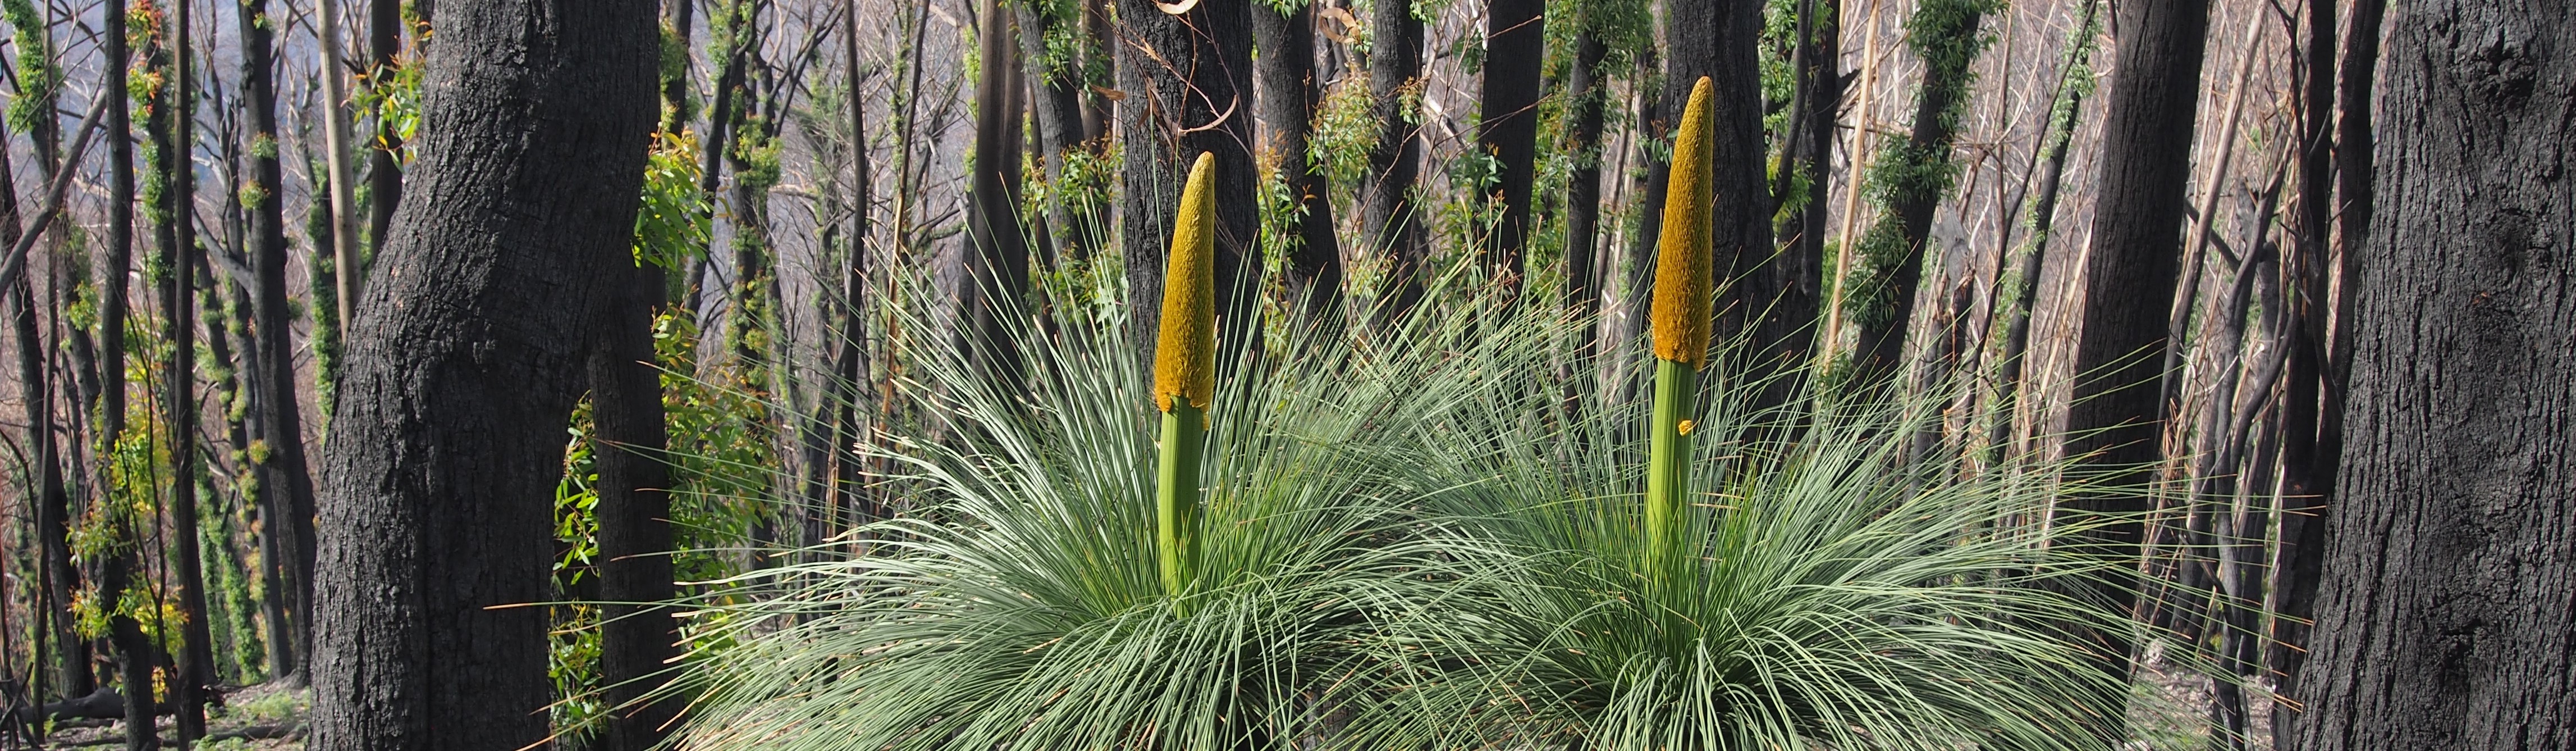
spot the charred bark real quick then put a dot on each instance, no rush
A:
(2129, 275)
(2442, 620)
(1389, 223)
(1188, 85)
(1290, 92)
(460, 380)
(1515, 45)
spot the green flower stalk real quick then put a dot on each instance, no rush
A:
(1185, 377)
(1681, 321)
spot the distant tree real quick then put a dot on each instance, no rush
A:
(1909, 180)
(1587, 106)
(284, 482)
(1050, 35)
(2129, 276)
(2442, 620)
(1389, 226)
(1285, 41)
(1187, 82)
(448, 442)
(1515, 47)
(996, 285)
(384, 169)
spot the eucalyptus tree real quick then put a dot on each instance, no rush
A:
(1284, 35)
(284, 482)
(1390, 227)
(384, 166)
(1186, 71)
(995, 286)
(1515, 48)
(121, 558)
(447, 445)
(1908, 182)
(2433, 624)
(2114, 421)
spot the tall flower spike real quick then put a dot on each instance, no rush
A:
(1185, 350)
(1683, 254)
(1681, 313)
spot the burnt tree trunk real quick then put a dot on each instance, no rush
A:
(2442, 621)
(1191, 94)
(1910, 180)
(1389, 226)
(1515, 45)
(285, 482)
(1719, 39)
(195, 661)
(636, 639)
(996, 286)
(1055, 88)
(1290, 92)
(463, 373)
(1813, 152)
(2129, 278)
(2307, 458)
(1587, 104)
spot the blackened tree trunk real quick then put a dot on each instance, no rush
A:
(135, 656)
(1055, 87)
(56, 578)
(1719, 39)
(286, 485)
(2442, 620)
(196, 658)
(2307, 463)
(384, 172)
(459, 381)
(636, 639)
(1587, 103)
(995, 287)
(2129, 277)
(1812, 151)
(1388, 222)
(1910, 180)
(850, 360)
(1515, 45)
(1290, 93)
(1191, 93)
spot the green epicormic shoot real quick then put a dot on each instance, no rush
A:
(1184, 377)
(1681, 321)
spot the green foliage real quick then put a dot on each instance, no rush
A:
(392, 95)
(671, 226)
(40, 81)
(1831, 593)
(1021, 608)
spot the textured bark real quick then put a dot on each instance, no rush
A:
(1390, 226)
(995, 288)
(1719, 39)
(286, 484)
(1515, 45)
(634, 510)
(2442, 621)
(1290, 92)
(2129, 278)
(460, 380)
(1188, 81)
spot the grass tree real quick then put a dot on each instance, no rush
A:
(1813, 596)
(1097, 557)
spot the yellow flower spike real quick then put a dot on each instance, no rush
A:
(1185, 381)
(1681, 324)
(1683, 254)
(1185, 350)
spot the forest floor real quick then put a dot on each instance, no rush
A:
(265, 717)
(2167, 712)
